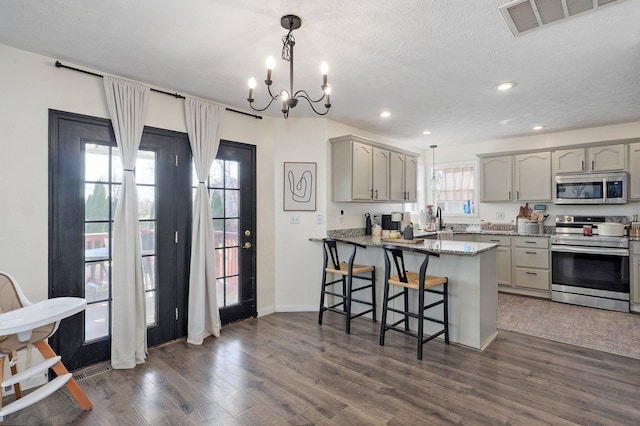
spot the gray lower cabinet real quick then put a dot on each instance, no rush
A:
(531, 263)
(635, 272)
(503, 256)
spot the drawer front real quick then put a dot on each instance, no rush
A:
(531, 242)
(501, 240)
(532, 258)
(635, 248)
(532, 278)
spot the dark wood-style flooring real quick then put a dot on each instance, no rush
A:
(285, 369)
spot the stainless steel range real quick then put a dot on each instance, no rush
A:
(590, 270)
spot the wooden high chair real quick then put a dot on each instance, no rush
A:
(23, 325)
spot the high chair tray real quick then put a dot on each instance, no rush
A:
(39, 314)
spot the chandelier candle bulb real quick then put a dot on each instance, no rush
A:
(252, 86)
(271, 62)
(324, 69)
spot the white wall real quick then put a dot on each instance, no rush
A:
(488, 211)
(31, 85)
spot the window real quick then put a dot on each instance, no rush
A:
(454, 188)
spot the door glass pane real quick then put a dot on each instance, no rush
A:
(96, 278)
(97, 320)
(116, 165)
(152, 306)
(96, 201)
(149, 272)
(232, 203)
(218, 232)
(96, 163)
(231, 176)
(146, 202)
(231, 287)
(216, 174)
(146, 168)
(217, 203)
(148, 237)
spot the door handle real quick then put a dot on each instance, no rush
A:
(247, 245)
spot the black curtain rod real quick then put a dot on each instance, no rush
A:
(175, 95)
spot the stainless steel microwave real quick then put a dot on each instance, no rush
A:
(592, 188)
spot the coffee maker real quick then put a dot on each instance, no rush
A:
(392, 222)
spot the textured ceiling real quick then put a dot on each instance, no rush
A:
(433, 64)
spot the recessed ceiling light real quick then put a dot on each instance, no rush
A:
(506, 85)
(385, 114)
(426, 132)
(538, 127)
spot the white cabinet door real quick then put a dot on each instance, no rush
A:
(411, 178)
(495, 178)
(605, 158)
(380, 177)
(396, 176)
(569, 161)
(533, 176)
(362, 171)
(634, 171)
(503, 265)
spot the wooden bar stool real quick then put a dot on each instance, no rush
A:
(416, 281)
(347, 272)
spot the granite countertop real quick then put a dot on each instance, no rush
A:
(459, 248)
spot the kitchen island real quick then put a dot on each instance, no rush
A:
(473, 289)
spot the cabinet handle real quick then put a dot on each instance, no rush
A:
(530, 242)
(517, 195)
(582, 165)
(531, 273)
(372, 193)
(494, 241)
(530, 252)
(376, 194)
(593, 164)
(509, 194)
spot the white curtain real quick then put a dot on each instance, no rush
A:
(204, 121)
(127, 103)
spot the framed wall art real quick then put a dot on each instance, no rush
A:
(300, 186)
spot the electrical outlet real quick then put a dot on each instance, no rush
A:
(499, 215)
(295, 219)
(319, 219)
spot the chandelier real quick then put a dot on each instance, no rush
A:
(290, 98)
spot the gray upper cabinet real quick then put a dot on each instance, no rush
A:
(634, 172)
(606, 158)
(362, 170)
(533, 176)
(592, 159)
(403, 177)
(569, 161)
(495, 176)
(380, 176)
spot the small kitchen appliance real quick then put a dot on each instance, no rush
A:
(392, 222)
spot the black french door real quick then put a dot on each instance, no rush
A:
(85, 179)
(232, 188)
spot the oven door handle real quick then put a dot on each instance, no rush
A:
(590, 250)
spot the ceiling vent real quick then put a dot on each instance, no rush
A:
(524, 15)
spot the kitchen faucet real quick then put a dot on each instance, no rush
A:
(439, 217)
